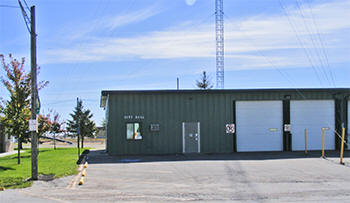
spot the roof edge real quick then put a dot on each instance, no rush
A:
(107, 92)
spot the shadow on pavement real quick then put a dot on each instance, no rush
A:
(101, 157)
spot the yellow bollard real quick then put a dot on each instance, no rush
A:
(342, 146)
(322, 142)
(86, 165)
(305, 141)
(81, 181)
(83, 173)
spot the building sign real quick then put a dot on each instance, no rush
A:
(230, 128)
(154, 127)
(129, 117)
(287, 128)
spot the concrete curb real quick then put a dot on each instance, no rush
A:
(83, 166)
(83, 173)
(9, 153)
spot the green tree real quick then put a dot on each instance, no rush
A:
(204, 82)
(104, 123)
(44, 124)
(81, 118)
(16, 111)
(2, 134)
(56, 126)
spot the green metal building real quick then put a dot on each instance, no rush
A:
(223, 121)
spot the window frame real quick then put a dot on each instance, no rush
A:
(126, 130)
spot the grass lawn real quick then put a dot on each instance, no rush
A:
(60, 162)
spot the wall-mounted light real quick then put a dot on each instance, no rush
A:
(287, 96)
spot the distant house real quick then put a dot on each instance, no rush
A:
(6, 143)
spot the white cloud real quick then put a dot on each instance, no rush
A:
(132, 17)
(110, 23)
(245, 39)
(190, 2)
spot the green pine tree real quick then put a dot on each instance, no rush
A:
(81, 118)
(204, 82)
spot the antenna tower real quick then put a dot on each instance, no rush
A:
(219, 28)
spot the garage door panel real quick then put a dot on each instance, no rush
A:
(348, 131)
(312, 115)
(259, 125)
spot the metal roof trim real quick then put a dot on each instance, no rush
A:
(107, 92)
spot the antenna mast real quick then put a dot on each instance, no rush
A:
(219, 28)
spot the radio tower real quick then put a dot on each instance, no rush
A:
(219, 28)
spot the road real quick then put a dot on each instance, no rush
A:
(240, 177)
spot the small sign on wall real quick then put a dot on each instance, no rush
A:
(154, 127)
(287, 128)
(33, 125)
(230, 128)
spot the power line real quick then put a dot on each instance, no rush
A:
(285, 75)
(313, 41)
(325, 54)
(8, 6)
(25, 4)
(25, 16)
(301, 43)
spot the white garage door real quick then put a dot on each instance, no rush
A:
(312, 115)
(348, 124)
(259, 126)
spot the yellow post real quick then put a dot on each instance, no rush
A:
(342, 146)
(322, 142)
(305, 141)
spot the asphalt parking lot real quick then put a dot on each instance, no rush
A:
(239, 177)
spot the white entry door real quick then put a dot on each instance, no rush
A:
(312, 115)
(259, 126)
(191, 137)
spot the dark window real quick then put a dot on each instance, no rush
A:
(133, 131)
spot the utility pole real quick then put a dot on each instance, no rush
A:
(34, 135)
(33, 123)
(177, 84)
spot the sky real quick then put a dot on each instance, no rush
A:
(86, 46)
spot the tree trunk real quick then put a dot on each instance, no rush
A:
(19, 143)
(54, 141)
(82, 142)
(78, 144)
